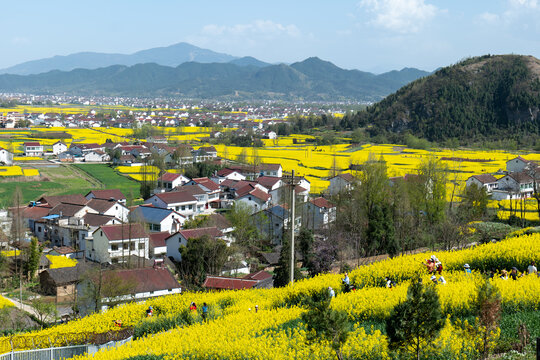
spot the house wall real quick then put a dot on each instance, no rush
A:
(6, 157)
(173, 245)
(515, 165)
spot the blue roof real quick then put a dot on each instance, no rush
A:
(50, 217)
(149, 214)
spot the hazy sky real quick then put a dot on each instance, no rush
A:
(371, 35)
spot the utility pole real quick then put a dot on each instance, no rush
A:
(292, 227)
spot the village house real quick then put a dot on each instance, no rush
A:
(114, 243)
(520, 164)
(169, 181)
(514, 186)
(59, 147)
(157, 219)
(33, 148)
(487, 181)
(211, 189)
(318, 213)
(158, 246)
(339, 183)
(227, 174)
(6, 157)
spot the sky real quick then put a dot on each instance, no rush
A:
(369, 35)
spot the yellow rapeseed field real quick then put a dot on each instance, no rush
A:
(275, 332)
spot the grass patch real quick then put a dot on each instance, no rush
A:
(111, 179)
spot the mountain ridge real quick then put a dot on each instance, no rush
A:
(311, 79)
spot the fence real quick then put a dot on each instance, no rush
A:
(59, 353)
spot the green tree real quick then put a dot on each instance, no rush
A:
(282, 272)
(474, 203)
(432, 176)
(242, 157)
(202, 256)
(305, 242)
(488, 308)
(33, 255)
(417, 321)
(44, 310)
(325, 323)
(245, 231)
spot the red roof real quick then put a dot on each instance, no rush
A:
(32, 143)
(268, 181)
(258, 193)
(485, 178)
(174, 197)
(207, 183)
(123, 231)
(198, 232)
(145, 279)
(347, 177)
(259, 275)
(158, 239)
(226, 283)
(169, 177)
(225, 172)
(35, 212)
(77, 199)
(322, 203)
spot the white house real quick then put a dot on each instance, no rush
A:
(33, 148)
(114, 243)
(59, 147)
(6, 157)
(271, 170)
(270, 182)
(96, 156)
(170, 180)
(318, 213)
(158, 219)
(182, 202)
(211, 189)
(181, 237)
(487, 181)
(341, 182)
(109, 207)
(227, 174)
(253, 197)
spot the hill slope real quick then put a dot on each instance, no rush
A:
(172, 55)
(479, 98)
(312, 79)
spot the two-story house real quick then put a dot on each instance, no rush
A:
(487, 181)
(318, 213)
(114, 243)
(33, 148)
(157, 219)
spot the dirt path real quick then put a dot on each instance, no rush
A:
(83, 174)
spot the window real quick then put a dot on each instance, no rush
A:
(116, 207)
(249, 198)
(114, 247)
(155, 227)
(142, 247)
(183, 207)
(39, 229)
(190, 207)
(177, 208)
(132, 246)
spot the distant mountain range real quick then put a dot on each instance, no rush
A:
(239, 78)
(173, 55)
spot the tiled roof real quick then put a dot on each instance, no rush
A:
(66, 209)
(168, 177)
(151, 214)
(485, 178)
(206, 182)
(322, 203)
(115, 194)
(226, 283)
(347, 177)
(259, 275)
(268, 181)
(521, 177)
(32, 143)
(197, 233)
(123, 231)
(225, 172)
(145, 279)
(97, 219)
(35, 212)
(158, 239)
(67, 199)
(101, 205)
(174, 197)
(258, 193)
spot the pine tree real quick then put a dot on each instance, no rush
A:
(417, 321)
(325, 323)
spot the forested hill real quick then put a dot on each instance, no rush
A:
(481, 98)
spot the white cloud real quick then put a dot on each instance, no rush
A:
(488, 17)
(531, 4)
(403, 16)
(258, 28)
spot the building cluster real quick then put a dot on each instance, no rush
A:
(519, 180)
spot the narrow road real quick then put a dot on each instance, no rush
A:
(23, 307)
